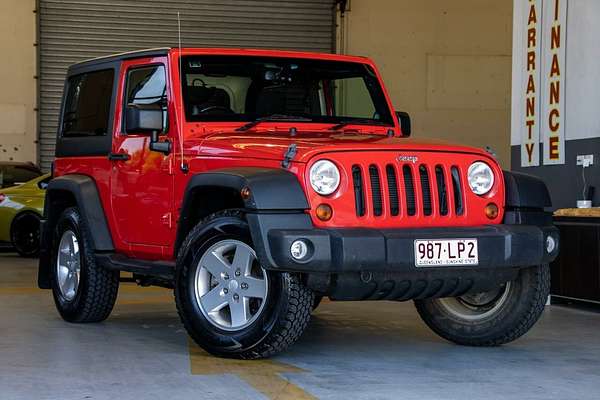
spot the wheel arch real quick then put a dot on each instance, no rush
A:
(73, 190)
(268, 190)
(527, 197)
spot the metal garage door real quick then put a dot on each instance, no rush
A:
(74, 30)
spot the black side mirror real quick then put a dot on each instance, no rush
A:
(142, 119)
(147, 120)
(404, 120)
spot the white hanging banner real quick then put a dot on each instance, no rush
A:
(530, 124)
(554, 43)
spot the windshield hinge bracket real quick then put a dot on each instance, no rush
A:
(289, 155)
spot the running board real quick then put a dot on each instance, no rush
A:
(117, 262)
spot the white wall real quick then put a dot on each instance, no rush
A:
(446, 62)
(17, 72)
(582, 101)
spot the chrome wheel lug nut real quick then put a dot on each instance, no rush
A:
(225, 290)
(236, 297)
(244, 285)
(238, 272)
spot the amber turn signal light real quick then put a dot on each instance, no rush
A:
(491, 211)
(324, 212)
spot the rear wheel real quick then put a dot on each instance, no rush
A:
(25, 234)
(228, 303)
(490, 318)
(83, 291)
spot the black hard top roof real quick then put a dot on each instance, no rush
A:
(161, 51)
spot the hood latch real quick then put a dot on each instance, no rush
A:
(289, 155)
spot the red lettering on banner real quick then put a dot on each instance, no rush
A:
(532, 15)
(555, 37)
(552, 123)
(531, 61)
(554, 92)
(529, 147)
(553, 153)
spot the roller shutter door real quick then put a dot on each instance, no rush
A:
(75, 30)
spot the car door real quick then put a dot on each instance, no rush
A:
(141, 179)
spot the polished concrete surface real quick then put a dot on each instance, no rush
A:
(350, 351)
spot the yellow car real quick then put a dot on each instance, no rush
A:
(21, 208)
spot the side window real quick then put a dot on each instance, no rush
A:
(87, 105)
(146, 88)
(16, 175)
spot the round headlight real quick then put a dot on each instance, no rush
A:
(481, 178)
(324, 177)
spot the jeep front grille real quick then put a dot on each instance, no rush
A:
(401, 195)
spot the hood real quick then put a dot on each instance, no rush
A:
(272, 145)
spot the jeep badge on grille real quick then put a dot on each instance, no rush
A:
(412, 159)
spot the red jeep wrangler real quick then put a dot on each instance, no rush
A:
(255, 183)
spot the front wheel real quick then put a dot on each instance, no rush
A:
(228, 303)
(490, 318)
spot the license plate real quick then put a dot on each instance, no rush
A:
(434, 253)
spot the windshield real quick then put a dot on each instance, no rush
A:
(245, 88)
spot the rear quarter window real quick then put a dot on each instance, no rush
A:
(87, 104)
(16, 175)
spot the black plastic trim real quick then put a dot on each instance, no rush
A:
(159, 269)
(158, 52)
(83, 190)
(88, 201)
(525, 191)
(392, 250)
(273, 190)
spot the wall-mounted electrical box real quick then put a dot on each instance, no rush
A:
(585, 160)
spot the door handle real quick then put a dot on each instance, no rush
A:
(118, 156)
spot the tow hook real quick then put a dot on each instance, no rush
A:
(289, 155)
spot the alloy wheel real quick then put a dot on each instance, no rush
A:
(68, 265)
(230, 285)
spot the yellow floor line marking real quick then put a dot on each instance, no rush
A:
(262, 375)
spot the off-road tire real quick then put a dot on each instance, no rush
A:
(520, 311)
(98, 287)
(26, 224)
(283, 319)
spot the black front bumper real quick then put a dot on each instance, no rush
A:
(371, 264)
(392, 250)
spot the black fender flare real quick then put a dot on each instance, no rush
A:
(81, 190)
(526, 197)
(270, 190)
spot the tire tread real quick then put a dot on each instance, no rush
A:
(289, 326)
(539, 285)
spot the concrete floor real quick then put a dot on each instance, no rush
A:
(351, 350)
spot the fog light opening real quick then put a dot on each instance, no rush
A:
(491, 211)
(299, 250)
(324, 212)
(550, 244)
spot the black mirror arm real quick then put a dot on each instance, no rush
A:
(405, 124)
(160, 147)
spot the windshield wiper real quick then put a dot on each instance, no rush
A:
(356, 121)
(273, 117)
